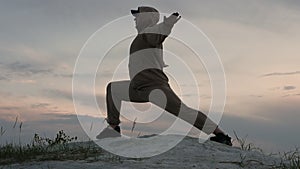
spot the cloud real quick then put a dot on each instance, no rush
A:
(274, 88)
(5, 94)
(289, 87)
(86, 98)
(291, 95)
(56, 93)
(257, 96)
(18, 69)
(39, 105)
(287, 95)
(9, 108)
(281, 74)
(25, 68)
(2, 77)
(63, 75)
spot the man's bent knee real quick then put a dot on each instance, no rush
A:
(108, 87)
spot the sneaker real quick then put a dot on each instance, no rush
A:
(109, 132)
(222, 138)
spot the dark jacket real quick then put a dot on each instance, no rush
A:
(146, 56)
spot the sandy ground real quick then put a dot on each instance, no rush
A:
(189, 153)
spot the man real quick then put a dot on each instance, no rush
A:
(148, 82)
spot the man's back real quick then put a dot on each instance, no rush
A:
(143, 55)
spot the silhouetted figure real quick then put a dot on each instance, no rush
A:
(148, 82)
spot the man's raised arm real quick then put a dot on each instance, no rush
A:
(157, 34)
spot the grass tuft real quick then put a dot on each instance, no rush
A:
(289, 160)
(43, 148)
(244, 145)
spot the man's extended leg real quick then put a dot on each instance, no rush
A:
(165, 97)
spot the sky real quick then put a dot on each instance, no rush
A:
(257, 41)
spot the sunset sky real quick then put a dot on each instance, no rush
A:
(257, 41)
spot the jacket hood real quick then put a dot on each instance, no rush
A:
(148, 16)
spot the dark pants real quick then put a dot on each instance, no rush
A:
(159, 94)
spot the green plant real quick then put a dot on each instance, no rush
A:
(41, 146)
(2, 131)
(289, 160)
(244, 145)
(61, 138)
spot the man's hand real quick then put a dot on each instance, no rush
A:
(172, 19)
